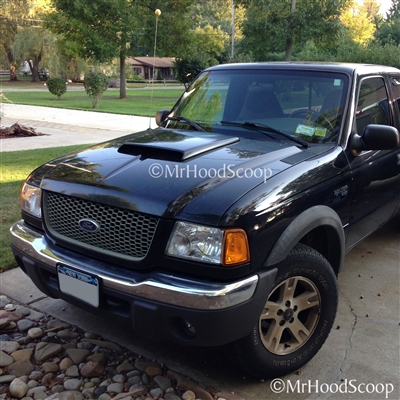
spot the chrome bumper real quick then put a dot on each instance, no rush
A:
(161, 287)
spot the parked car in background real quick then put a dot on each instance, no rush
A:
(229, 223)
(44, 74)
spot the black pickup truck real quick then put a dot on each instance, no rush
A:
(229, 223)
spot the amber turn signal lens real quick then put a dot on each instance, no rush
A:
(236, 247)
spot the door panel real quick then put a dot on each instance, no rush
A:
(376, 174)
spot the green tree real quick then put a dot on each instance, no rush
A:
(95, 83)
(359, 21)
(389, 32)
(218, 15)
(276, 26)
(211, 42)
(12, 19)
(186, 69)
(56, 86)
(34, 44)
(394, 11)
(105, 29)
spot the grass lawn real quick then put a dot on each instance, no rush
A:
(138, 101)
(15, 167)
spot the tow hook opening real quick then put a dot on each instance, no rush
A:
(189, 329)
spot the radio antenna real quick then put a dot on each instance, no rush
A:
(157, 13)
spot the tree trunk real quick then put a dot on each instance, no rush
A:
(289, 41)
(13, 71)
(12, 63)
(122, 76)
(288, 52)
(35, 71)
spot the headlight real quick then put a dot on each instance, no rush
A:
(213, 245)
(30, 200)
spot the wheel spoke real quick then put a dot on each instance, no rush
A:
(299, 331)
(307, 300)
(288, 288)
(273, 336)
(270, 310)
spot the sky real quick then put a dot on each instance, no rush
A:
(385, 5)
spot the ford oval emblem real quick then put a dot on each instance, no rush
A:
(88, 225)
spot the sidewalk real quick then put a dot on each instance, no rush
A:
(67, 127)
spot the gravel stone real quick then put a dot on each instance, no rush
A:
(73, 384)
(9, 347)
(115, 388)
(72, 371)
(35, 333)
(5, 359)
(78, 355)
(25, 311)
(20, 368)
(25, 324)
(49, 367)
(163, 382)
(6, 378)
(18, 388)
(44, 351)
(3, 301)
(70, 364)
(157, 392)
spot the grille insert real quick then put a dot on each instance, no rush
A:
(122, 233)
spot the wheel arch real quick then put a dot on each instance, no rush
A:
(320, 228)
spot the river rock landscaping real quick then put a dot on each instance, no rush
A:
(43, 358)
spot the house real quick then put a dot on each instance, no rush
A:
(143, 67)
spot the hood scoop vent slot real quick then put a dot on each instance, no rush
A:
(181, 150)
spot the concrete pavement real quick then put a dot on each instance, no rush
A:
(66, 127)
(360, 359)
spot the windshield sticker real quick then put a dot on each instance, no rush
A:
(320, 132)
(305, 130)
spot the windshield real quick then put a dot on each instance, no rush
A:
(303, 104)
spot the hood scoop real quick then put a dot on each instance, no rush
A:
(180, 149)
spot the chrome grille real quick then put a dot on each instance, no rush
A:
(122, 233)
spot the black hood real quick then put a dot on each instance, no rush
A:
(174, 174)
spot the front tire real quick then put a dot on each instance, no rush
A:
(297, 317)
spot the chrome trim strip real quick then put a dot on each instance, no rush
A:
(169, 289)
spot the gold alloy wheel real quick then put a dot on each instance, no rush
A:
(290, 315)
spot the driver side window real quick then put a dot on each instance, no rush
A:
(372, 105)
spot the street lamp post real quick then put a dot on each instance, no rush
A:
(233, 29)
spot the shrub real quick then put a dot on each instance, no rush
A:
(56, 86)
(95, 83)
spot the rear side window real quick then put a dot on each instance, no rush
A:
(372, 105)
(395, 82)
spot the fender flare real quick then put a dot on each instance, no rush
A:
(304, 223)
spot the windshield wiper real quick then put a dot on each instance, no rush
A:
(267, 128)
(188, 121)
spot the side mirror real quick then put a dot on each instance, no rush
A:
(161, 116)
(375, 137)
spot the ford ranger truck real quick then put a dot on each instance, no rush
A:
(228, 224)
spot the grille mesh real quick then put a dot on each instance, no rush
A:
(122, 232)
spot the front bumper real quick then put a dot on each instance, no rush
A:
(217, 313)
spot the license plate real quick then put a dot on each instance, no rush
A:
(82, 286)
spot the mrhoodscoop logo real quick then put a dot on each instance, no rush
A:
(346, 387)
(229, 171)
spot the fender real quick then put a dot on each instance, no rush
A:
(304, 223)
